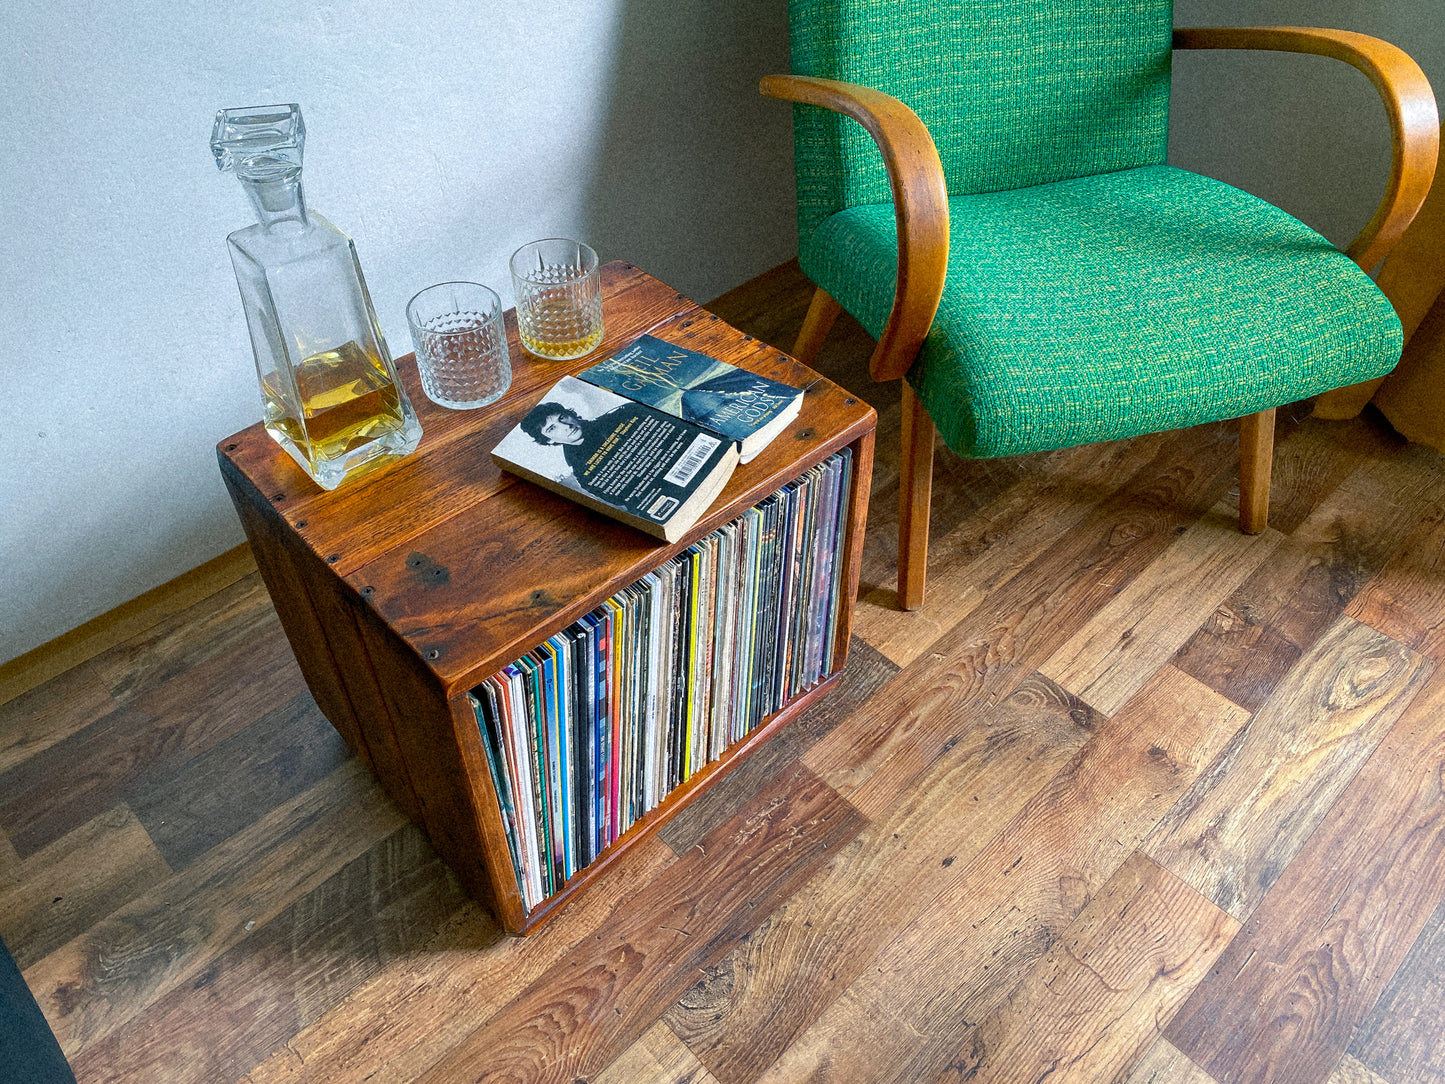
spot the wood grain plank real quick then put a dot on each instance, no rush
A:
(238, 781)
(63, 889)
(49, 713)
(1309, 964)
(286, 973)
(1403, 1038)
(867, 673)
(1312, 457)
(995, 543)
(658, 1057)
(9, 864)
(1235, 653)
(441, 766)
(583, 1012)
(1350, 1071)
(1141, 628)
(874, 754)
(1244, 821)
(960, 487)
(904, 1016)
(339, 616)
(67, 784)
(1278, 613)
(1092, 1005)
(744, 1012)
(1162, 1063)
(1406, 599)
(419, 1007)
(73, 649)
(211, 626)
(167, 937)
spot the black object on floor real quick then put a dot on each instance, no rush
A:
(29, 1053)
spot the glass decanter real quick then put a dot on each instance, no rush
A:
(329, 389)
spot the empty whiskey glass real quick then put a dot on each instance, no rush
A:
(461, 344)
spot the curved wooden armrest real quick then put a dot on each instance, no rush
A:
(1409, 101)
(920, 201)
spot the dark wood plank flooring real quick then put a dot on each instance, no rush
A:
(1134, 798)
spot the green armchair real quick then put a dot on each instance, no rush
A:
(1002, 220)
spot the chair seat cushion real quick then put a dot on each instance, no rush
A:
(1112, 305)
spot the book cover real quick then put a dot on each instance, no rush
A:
(722, 398)
(584, 688)
(529, 793)
(486, 710)
(537, 740)
(615, 647)
(621, 458)
(545, 676)
(594, 650)
(835, 589)
(652, 599)
(565, 683)
(661, 691)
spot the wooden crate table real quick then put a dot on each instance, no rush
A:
(404, 589)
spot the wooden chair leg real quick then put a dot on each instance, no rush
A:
(1256, 460)
(915, 488)
(822, 311)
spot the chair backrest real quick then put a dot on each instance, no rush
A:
(1014, 92)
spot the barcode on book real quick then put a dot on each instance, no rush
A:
(693, 460)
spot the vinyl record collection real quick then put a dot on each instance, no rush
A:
(592, 729)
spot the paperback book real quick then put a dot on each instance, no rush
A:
(731, 402)
(620, 457)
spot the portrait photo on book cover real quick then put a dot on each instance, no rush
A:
(648, 467)
(567, 426)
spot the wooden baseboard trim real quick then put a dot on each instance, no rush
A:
(113, 627)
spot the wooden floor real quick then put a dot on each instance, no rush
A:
(1133, 798)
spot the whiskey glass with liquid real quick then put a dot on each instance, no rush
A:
(559, 298)
(329, 390)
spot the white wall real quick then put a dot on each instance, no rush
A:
(441, 135)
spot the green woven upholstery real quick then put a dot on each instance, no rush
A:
(1014, 92)
(1091, 292)
(1107, 306)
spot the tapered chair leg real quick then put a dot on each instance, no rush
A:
(822, 311)
(915, 489)
(1256, 461)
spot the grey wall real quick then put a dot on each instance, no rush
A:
(1307, 133)
(441, 135)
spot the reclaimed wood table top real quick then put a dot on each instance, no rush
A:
(465, 561)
